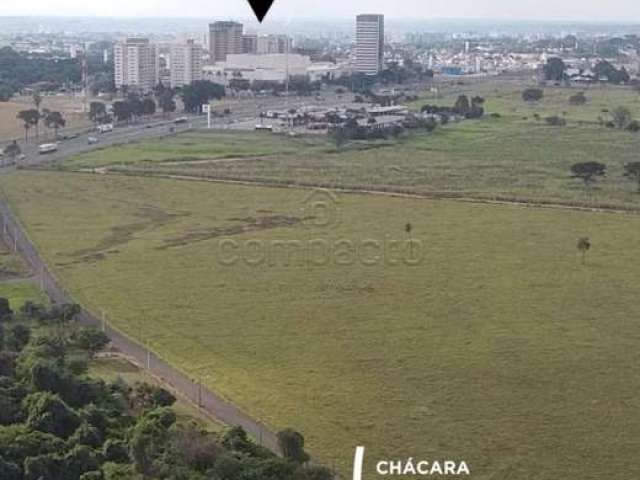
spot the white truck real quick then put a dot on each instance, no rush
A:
(107, 127)
(47, 148)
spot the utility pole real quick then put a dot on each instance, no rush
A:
(85, 79)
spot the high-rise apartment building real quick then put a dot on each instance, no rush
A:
(185, 63)
(250, 43)
(369, 44)
(224, 38)
(135, 64)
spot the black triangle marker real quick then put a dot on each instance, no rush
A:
(261, 8)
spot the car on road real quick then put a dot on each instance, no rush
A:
(92, 140)
(107, 127)
(181, 120)
(47, 148)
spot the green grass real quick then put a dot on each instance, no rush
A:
(194, 146)
(110, 369)
(504, 96)
(499, 348)
(18, 292)
(11, 265)
(514, 157)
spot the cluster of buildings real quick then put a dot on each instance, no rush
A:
(137, 64)
(232, 53)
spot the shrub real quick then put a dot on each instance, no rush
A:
(532, 94)
(555, 121)
(634, 126)
(578, 99)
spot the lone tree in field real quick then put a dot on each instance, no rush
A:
(408, 228)
(632, 171)
(29, 118)
(12, 151)
(584, 245)
(54, 120)
(588, 172)
(621, 117)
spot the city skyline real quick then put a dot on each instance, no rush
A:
(588, 10)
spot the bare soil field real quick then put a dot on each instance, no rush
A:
(12, 128)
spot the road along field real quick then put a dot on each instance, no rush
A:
(494, 158)
(477, 334)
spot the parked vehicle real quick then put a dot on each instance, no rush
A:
(265, 127)
(92, 140)
(181, 120)
(47, 148)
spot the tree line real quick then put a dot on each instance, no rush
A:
(590, 172)
(57, 422)
(33, 117)
(135, 106)
(19, 71)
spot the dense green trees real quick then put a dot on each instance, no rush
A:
(605, 71)
(19, 71)
(200, 93)
(98, 113)
(57, 423)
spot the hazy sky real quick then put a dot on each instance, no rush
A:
(596, 10)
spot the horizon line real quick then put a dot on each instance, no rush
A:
(600, 21)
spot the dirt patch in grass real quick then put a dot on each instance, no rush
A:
(245, 225)
(151, 217)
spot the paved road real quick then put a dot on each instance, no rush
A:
(244, 116)
(119, 135)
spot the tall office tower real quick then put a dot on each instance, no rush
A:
(273, 44)
(369, 44)
(136, 64)
(250, 43)
(224, 38)
(185, 63)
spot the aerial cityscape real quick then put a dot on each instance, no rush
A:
(383, 240)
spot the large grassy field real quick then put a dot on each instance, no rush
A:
(19, 292)
(499, 347)
(514, 157)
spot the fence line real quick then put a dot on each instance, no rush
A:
(16, 238)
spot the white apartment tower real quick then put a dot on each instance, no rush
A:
(185, 63)
(136, 64)
(369, 44)
(225, 38)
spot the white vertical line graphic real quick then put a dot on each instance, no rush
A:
(357, 463)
